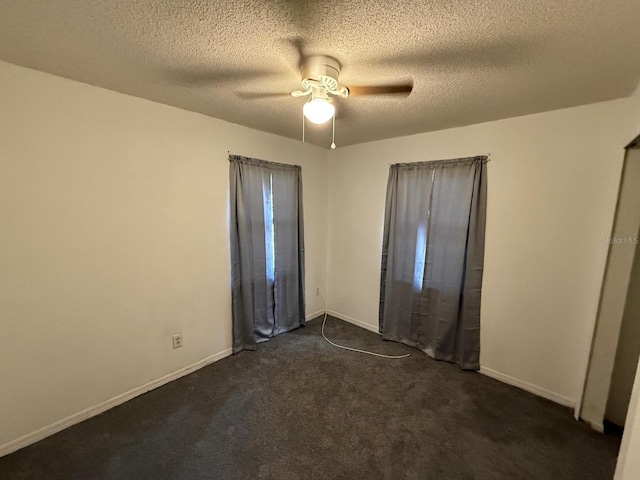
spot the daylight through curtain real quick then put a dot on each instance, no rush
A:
(432, 258)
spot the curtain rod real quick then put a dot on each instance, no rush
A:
(233, 157)
(485, 158)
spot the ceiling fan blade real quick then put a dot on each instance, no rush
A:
(298, 45)
(398, 89)
(259, 95)
(490, 54)
(300, 15)
(210, 76)
(343, 112)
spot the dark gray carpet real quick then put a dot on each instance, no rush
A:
(302, 409)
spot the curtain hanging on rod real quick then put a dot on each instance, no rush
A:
(432, 258)
(267, 250)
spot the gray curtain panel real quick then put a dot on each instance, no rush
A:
(432, 258)
(267, 250)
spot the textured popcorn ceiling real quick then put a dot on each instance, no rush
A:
(471, 60)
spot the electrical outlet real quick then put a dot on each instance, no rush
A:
(317, 291)
(177, 340)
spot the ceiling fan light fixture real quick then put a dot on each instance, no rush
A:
(319, 110)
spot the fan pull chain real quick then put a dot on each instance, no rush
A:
(302, 127)
(333, 135)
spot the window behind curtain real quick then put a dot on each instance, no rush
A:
(432, 258)
(267, 250)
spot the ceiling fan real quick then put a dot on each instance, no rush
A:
(319, 74)
(320, 83)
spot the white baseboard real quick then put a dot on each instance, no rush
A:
(313, 315)
(489, 372)
(355, 321)
(44, 432)
(78, 417)
(529, 387)
(597, 426)
(60, 425)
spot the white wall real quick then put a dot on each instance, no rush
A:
(628, 459)
(114, 215)
(628, 351)
(613, 297)
(605, 338)
(114, 236)
(552, 188)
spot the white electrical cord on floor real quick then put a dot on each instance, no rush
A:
(349, 348)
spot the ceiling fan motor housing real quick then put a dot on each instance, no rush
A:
(320, 71)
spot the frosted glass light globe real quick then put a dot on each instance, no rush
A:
(318, 110)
